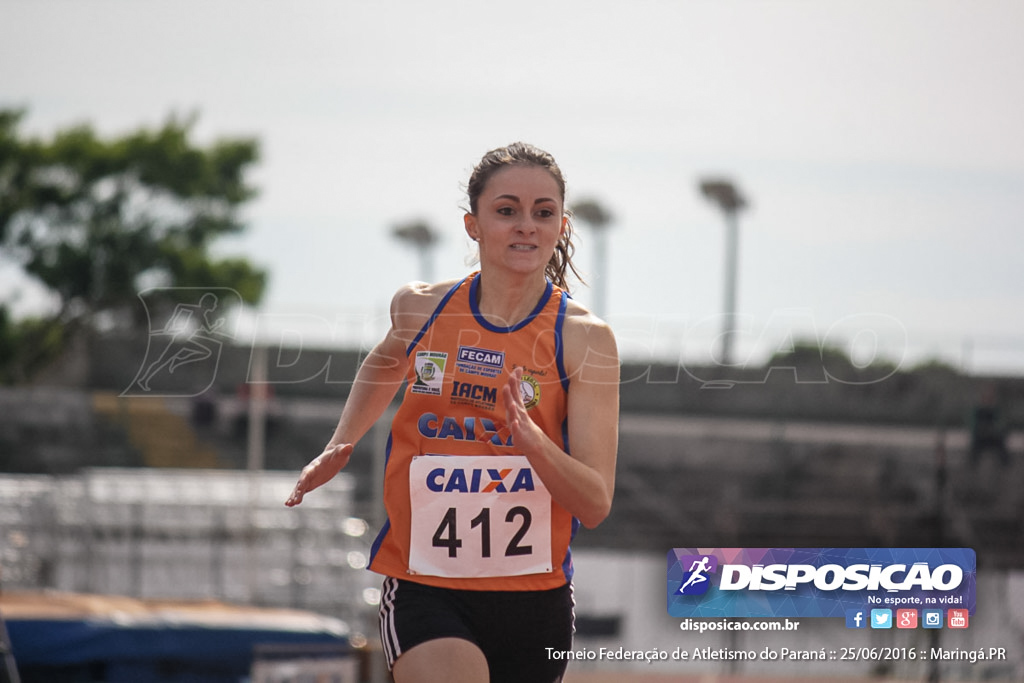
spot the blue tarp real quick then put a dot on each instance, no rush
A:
(141, 653)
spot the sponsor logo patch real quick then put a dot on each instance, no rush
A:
(429, 372)
(481, 362)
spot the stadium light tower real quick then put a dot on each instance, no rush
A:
(597, 217)
(423, 238)
(728, 198)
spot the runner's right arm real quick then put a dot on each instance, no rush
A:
(378, 379)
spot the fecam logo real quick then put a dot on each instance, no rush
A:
(696, 580)
(482, 362)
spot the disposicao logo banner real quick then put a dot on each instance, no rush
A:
(817, 582)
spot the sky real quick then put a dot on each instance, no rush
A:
(879, 144)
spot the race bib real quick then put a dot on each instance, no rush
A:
(478, 516)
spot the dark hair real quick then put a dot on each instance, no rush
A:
(523, 154)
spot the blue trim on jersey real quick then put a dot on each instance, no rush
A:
(433, 316)
(377, 541)
(567, 562)
(560, 342)
(567, 566)
(474, 289)
(560, 363)
(387, 520)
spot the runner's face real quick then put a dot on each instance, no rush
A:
(519, 219)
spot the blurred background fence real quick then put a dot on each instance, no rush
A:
(188, 535)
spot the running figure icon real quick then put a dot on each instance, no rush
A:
(200, 344)
(697, 573)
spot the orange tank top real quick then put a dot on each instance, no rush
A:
(465, 509)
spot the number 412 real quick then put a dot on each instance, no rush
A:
(447, 535)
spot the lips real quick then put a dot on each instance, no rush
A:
(523, 247)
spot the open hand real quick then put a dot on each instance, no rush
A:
(320, 471)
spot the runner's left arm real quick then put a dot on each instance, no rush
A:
(583, 482)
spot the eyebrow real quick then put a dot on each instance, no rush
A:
(516, 199)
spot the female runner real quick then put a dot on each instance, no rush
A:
(504, 443)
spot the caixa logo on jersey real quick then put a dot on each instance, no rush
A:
(817, 582)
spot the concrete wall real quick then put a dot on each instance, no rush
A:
(799, 388)
(54, 430)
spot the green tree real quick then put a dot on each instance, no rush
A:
(94, 219)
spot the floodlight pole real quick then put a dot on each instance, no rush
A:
(727, 197)
(732, 247)
(598, 218)
(423, 238)
(257, 394)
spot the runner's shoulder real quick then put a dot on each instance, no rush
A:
(588, 339)
(414, 302)
(582, 324)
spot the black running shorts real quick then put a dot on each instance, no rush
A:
(516, 630)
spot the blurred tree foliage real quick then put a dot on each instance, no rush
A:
(95, 220)
(832, 362)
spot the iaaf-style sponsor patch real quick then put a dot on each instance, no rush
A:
(817, 582)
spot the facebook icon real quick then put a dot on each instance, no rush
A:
(855, 618)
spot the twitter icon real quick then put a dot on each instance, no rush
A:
(881, 618)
